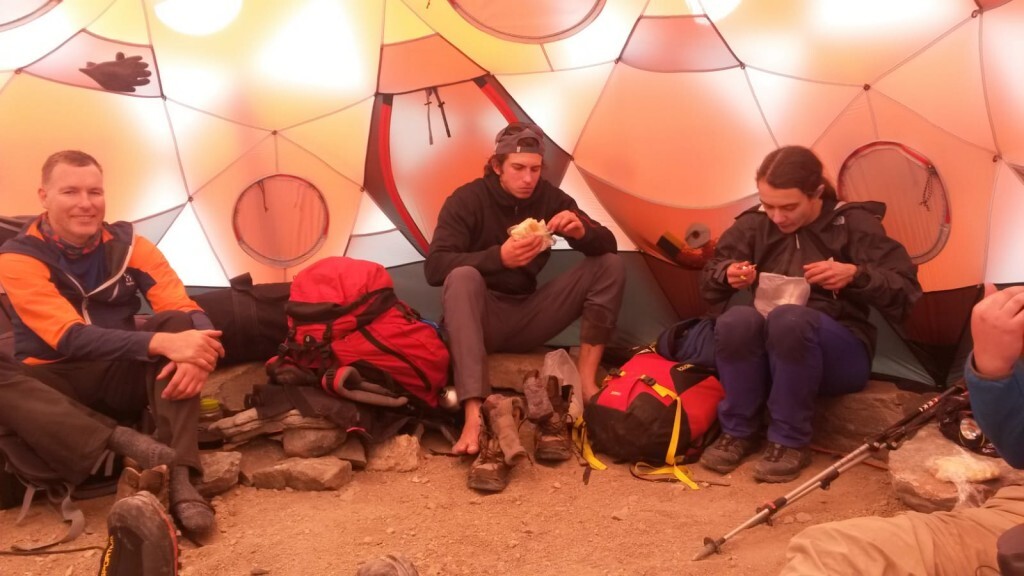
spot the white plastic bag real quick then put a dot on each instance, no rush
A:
(775, 290)
(558, 363)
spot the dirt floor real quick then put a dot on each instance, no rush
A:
(546, 522)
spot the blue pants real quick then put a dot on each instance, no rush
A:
(786, 361)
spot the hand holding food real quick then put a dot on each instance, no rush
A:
(529, 228)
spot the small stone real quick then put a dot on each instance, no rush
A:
(528, 531)
(69, 571)
(788, 520)
(431, 505)
(803, 517)
(259, 571)
(621, 514)
(513, 543)
(556, 485)
(416, 479)
(367, 540)
(477, 500)
(390, 530)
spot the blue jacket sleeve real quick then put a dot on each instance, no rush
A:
(998, 407)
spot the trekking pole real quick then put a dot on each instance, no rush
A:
(891, 438)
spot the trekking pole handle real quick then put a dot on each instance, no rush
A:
(894, 435)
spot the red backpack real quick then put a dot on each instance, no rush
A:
(654, 410)
(343, 313)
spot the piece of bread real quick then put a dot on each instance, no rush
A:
(531, 227)
(963, 468)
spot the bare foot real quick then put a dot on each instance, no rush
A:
(469, 440)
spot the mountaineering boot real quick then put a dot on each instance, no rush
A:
(548, 409)
(500, 447)
(781, 463)
(727, 452)
(141, 540)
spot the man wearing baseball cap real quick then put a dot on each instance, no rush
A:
(491, 299)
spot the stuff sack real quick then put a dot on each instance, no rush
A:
(343, 312)
(251, 317)
(690, 341)
(653, 409)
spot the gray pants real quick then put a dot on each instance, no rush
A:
(480, 321)
(66, 411)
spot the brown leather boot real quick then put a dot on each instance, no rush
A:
(553, 440)
(500, 448)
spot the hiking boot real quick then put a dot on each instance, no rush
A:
(141, 539)
(781, 463)
(500, 448)
(553, 442)
(727, 452)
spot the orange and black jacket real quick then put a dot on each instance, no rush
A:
(84, 308)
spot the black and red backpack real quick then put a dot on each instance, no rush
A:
(344, 317)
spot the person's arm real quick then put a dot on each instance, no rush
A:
(885, 277)
(995, 371)
(43, 310)
(736, 245)
(450, 247)
(582, 232)
(160, 284)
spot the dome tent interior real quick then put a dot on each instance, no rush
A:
(259, 136)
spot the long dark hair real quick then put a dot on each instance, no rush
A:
(795, 167)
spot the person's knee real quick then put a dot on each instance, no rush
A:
(739, 322)
(464, 278)
(791, 328)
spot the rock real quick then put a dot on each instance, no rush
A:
(220, 472)
(621, 514)
(844, 423)
(229, 385)
(305, 474)
(916, 485)
(507, 371)
(803, 517)
(259, 571)
(353, 451)
(311, 443)
(398, 454)
(258, 454)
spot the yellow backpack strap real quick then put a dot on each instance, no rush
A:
(579, 438)
(675, 471)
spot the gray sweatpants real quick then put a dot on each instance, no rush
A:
(66, 411)
(480, 321)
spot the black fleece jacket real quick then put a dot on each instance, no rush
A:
(474, 223)
(852, 233)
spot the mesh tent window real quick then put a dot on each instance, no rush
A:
(917, 206)
(529, 21)
(281, 220)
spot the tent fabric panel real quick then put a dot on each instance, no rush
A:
(667, 8)
(387, 248)
(677, 44)
(576, 186)
(206, 144)
(278, 64)
(647, 122)
(894, 359)
(22, 45)
(1002, 45)
(559, 101)
(124, 21)
(601, 41)
(529, 20)
(645, 221)
(490, 52)
(401, 24)
(422, 63)
(682, 286)
(944, 85)
(155, 227)
(129, 137)
(370, 219)
(940, 317)
(813, 38)
(186, 247)
(424, 172)
(798, 111)
(338, 139)
(64, 64)
(967, 173)
(1005, 232)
